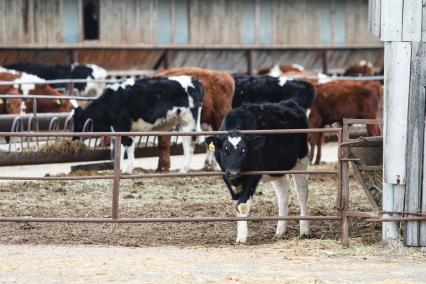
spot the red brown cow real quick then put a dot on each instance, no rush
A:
(362, 68)
(295, 71)
(26, 88)
(9, 106)
(218, 93)
(343, 99)
(277, 70)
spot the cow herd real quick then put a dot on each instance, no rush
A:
(282, 97)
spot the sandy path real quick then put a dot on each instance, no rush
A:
(240, 264)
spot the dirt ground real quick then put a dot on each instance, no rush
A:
(187, 252)
(201, 196)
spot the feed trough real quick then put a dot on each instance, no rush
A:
(366, 156)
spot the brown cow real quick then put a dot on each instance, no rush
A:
(277, 70)
(362, 68)
(43, 105)
(295, 71)
(218, 92)
(8, 106)
(343, 99)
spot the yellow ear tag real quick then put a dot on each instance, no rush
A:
(212, 147)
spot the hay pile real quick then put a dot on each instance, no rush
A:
(70, 146)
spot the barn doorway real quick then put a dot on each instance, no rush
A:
(91, 19)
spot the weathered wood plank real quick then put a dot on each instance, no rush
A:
(390, 230)
(424, 21)
(248, 35)
(181, 21)
(397, 78)
(391, 20)
(325, 22)
(71, 22)
(415, 134)
(412, 20)
(265, 20)
(374, 17)
(340, 21)
(422, 241)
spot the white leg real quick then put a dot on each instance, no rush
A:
(188, 149)
(210, 162)
(242, 230)
(281, 190)
(301, 185)
(122, 151)
(130, 157)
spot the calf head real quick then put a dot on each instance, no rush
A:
(236, 152)
(80, 116)
(56, 105)
(9, 106)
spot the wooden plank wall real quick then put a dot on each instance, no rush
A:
(31, 21)
(302, 22)
(398, 20)
(401, 24)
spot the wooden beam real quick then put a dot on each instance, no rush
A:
(415, 136)
(391, 20)
(424, 21)
(397, 78)
(374, 17)
(412, 21)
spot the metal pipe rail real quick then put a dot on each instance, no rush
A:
(117, 176)
(61, 81)
(295, 76)
(47, 97)
(165, 219)
(165, 133)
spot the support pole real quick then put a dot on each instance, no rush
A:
(117, 173)
(345, 188)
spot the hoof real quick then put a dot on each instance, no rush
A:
(242, 241)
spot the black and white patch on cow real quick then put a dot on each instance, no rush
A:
(261, 89)
(90, 72)
(149, 104)
(236, 153)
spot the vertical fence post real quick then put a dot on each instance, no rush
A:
(324, 57)
(117, 173)
(345, 188)
(249, 57)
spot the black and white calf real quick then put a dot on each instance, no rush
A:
(90, 72)
(262, 89)
(236, 153)
(149, 104)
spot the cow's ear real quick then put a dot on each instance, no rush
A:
(214, 143)
(256, 142)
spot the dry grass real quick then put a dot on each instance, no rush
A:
(70, 146)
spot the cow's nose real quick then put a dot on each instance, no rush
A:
(233, 173)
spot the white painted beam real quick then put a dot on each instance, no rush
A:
(391, 20)
(412, 20)
(397, 82)
(374, 17)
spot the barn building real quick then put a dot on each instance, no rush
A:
(233, 35)
(401, 25)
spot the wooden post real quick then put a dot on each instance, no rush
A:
(249, 57)
(397, 78)
(324, 57)
(345, 188)
(415, 140)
